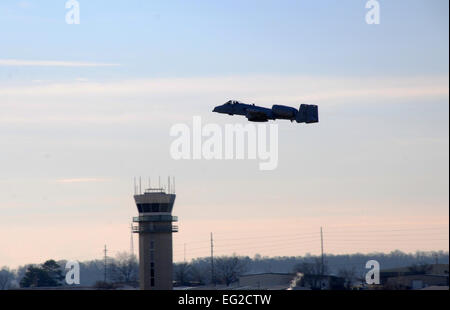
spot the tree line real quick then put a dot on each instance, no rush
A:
(225, 270)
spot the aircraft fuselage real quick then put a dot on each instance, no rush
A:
(306, 113)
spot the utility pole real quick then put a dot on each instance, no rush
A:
(105, 263)
(321, 247)
(213, 278)
(185, 253)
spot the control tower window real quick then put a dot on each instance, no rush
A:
(145, 207)
(154, 207)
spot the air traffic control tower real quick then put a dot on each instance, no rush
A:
(155, 228)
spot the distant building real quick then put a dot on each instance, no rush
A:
(436, 288)
(321, 282)
(266, 281)
(415, 277)
(416, 282)
(283, 281)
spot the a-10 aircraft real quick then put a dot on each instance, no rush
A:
(306, 114)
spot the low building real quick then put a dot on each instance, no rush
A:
(415, 277)
(266, 280)
(321, 282)
(435, 288)
(436, 269)
(416, 282)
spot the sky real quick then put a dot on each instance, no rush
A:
(86, 108)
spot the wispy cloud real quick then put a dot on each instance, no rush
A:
(72, 102)
(25, 4)
(82, 180)
(81, 79)
(282, 89)
(51, 63)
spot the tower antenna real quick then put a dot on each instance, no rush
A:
(213, 278)
(105, 262)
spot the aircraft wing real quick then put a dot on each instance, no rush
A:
(256, 115)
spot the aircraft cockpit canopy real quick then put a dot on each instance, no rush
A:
(232, 102)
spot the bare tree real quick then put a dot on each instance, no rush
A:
(360, 277)
(200, 273)
(229, 268)
(420, 268)
(315, 267)
(182, 273)
(6, 276)
(312, 272)
(349, 276)
(124, 268)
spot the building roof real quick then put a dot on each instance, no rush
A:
(435, 288)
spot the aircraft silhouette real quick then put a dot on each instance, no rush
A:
(306, 114)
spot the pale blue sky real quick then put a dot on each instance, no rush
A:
(186, 38)
(378, 158)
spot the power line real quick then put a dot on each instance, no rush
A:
(334, 241)
(246, 245)
(269, 236)
(313, 239)
(330, 233)
(270, 247)
(388, 240)
(365, 251)
(355, 229)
